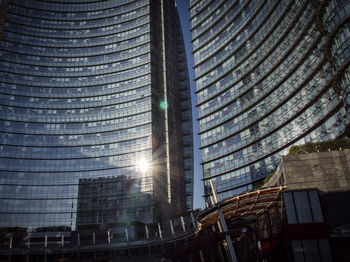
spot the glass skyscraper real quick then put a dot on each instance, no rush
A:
(269, 74)
(96, 122)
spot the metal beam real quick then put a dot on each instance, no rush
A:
(223, 227)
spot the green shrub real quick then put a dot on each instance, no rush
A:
(267, 178)
(320, 146)
(13, 229)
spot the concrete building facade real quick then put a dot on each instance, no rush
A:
(324, 176)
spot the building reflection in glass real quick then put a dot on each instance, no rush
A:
(80, 87)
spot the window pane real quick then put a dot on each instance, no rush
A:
(311, 251)
(302, 206)
(315, 206)
(325, 250)
(297, 251)
(289, 205)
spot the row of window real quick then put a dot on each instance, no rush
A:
(76, 140)
(74, 128)
(214, 19)
(140, 36)
(67, 151)
(82, 114)
(76, 81)
(66, 178)
(247, 39)
(220, 29)
(126, 50)
(72, 165)
(340, 48)
(301, 125)
(258, 170)
(241, 178)
(335, 12)
(120, 31)
(88, 8)
(117, 66)
(271, 123)
(75, 103)
(287, 67)
(272, 119)
(72, 92)
(206, 8)
(277, 43)
(74, 24)
(221, 40)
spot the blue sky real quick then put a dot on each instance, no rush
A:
(185, 23)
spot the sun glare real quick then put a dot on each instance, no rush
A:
(143, 165)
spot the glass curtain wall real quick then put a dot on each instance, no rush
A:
(269, 74)
(77, 127)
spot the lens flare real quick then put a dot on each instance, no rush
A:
(164, 105)
(143, 165)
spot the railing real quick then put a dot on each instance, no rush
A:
(119, 237)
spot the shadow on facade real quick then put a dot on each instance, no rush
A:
(301, 214)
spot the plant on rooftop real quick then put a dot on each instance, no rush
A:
(335, 144)
(267, 178)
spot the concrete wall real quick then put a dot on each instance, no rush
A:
(327, 171)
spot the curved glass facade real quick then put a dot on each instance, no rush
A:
(82, 126)
(269, 74)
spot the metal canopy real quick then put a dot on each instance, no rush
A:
(242, 206)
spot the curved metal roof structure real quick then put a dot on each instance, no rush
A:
(243, 206)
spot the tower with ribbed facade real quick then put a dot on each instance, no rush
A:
(269, 74)
(95, 123)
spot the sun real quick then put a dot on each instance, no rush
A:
(143, 165)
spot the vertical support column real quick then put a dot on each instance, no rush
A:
(62, 240)
(183, 223)
(268, 223)
(215, 195)
(165, 90)
(28, 242)
(193, 220)
(10, 242)
(201, 255)
(93, 238)
(126, 235)
(45, 244)
(259, 249)
(212, 200)
(221, 255)
(147, 232)
(160, 231)
(109, 237)
(172, 228)
(227, 237)
(78, 236)
(223, 227)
